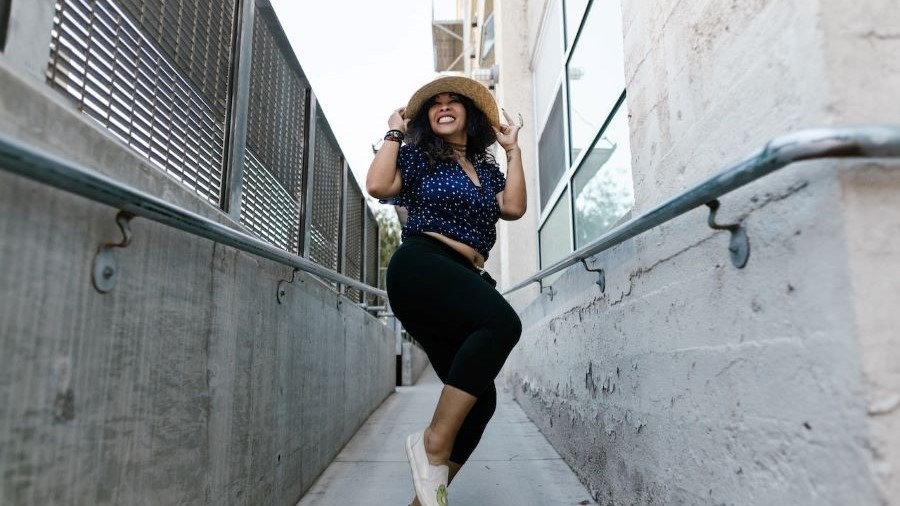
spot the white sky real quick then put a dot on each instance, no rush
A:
(364, 59)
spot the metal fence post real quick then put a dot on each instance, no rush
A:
(364, 258)
(311, 113)
(236, 118)
(344, 216)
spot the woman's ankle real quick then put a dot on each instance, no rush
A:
(437, 447)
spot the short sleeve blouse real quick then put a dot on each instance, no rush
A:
(442, 198)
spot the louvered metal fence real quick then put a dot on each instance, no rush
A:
(354, 211)
(166, 78)
(118, 75)
(325, 204)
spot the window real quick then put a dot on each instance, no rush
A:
(556, 233)
(603, 186)
(595, 74)
(548, 65)
(574, 15)
(487, 37)
(584, 156)
(551, 152)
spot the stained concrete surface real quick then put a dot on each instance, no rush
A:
(513, 465)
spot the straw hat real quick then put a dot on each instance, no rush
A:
(464, 86)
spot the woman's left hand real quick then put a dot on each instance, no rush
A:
(508, 135)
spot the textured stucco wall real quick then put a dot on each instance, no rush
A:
(188, 383)
(690, 381)
(873, 233)
(863, 60)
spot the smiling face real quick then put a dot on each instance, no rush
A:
(447, 116)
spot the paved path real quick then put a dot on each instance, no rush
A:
(513, 465)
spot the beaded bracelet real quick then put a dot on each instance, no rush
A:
(394, 135)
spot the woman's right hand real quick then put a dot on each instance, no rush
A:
(396, 121)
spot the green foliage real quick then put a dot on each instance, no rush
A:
(389, 228)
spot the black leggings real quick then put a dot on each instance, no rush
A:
(465, 326)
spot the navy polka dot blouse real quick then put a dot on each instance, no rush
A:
(443, 199)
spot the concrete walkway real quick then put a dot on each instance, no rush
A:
(513, 465)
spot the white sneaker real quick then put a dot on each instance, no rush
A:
(430, 481)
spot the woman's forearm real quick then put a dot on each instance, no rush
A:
(515, 197)
(383, 178)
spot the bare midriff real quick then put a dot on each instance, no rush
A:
(463, 249)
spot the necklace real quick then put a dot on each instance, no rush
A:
(456, 147)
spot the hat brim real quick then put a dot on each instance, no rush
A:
(464, 86)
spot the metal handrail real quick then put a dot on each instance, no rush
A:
(835, 142)
(24, 160)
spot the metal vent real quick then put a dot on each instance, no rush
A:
(119, 77)
(353, 236)
(325, 211)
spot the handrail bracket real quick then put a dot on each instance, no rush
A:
(739, 246)
(601, 275)
(550, 291)
(281, 293)
(105, 265)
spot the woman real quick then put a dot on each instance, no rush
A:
(452, 187)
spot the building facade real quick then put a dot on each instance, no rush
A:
(688, 380)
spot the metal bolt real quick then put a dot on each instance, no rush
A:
(108, 272)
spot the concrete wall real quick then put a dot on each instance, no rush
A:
(188, 383)
(689, 381)
(27, 18)
(414, 361)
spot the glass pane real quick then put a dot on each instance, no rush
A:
(603, 187)
(487, 37)
(574, 13)
(551, 152)
(595, 74)
(556, 233)
(548, 65)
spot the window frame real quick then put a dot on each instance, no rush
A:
(564, 185)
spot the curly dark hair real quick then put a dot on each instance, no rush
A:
(480, 135)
